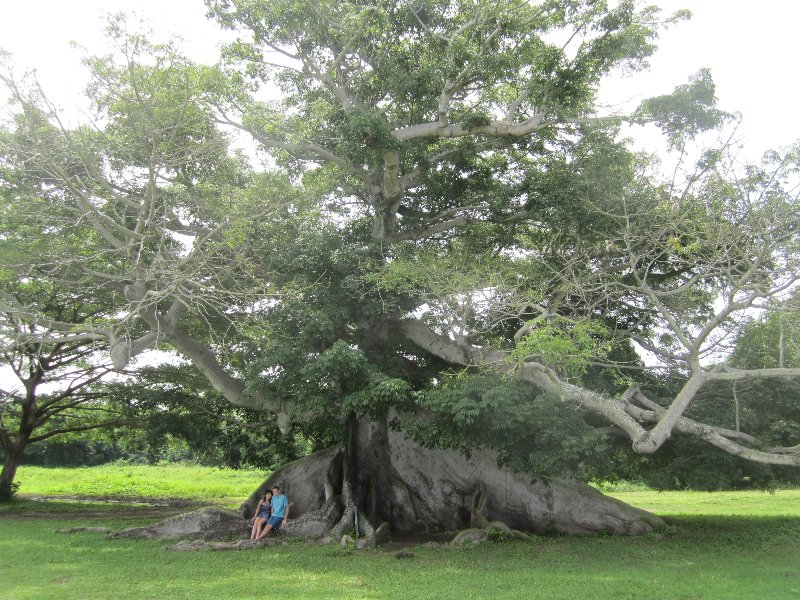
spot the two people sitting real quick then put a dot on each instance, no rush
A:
(270, 513)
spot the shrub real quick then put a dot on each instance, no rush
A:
(495, 535)
(8, 491)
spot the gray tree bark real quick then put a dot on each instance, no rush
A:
(417, 489)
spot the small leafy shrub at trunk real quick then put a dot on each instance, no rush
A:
(8, 490)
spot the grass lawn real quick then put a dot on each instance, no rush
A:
(745, 503)
(732, 545)
(173, 481)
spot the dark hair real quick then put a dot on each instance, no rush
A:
(276, 487)
(268, 492)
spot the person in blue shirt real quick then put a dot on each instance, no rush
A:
(280, 512)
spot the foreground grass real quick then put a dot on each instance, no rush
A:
(721, 557)
(187, 482)
(721, 545)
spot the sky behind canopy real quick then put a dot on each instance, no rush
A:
(749, 47)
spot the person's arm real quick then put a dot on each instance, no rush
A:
(286, 514)
(255, 514)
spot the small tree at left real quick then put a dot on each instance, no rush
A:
(58, 387)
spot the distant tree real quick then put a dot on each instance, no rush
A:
(177, 402)
(60, 380)
(769, 408)
(763, 409)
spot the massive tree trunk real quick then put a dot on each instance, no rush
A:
(381, 481)
(416, 489)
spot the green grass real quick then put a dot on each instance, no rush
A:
(188, 482)
(721, 545)
(745, 503)
(722, 557)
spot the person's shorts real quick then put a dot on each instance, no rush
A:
(275, 522)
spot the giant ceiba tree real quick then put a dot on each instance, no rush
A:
(449, 259)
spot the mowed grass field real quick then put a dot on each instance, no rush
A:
(719, 545)
(141, 482)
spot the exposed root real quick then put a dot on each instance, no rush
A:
(346, 523)
(352, 518)
(206, 524)
(203, 545)
(481, 528)
(477, 513)
(85, 530)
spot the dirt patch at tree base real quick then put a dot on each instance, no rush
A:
(399, 541)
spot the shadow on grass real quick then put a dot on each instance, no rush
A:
(29, 508)
(732, 529)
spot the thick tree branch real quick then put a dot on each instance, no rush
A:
(77, 428)
(728, 373)
(620, 412)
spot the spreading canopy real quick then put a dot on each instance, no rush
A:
(442, 192)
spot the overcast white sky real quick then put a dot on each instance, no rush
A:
(749, 46)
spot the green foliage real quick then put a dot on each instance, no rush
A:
(182, 418)
(392, 62)
(564, 344)
(438, 159)
(765, 409)
(762, 343)
(687, 464)
(364, 135)
(473, 118)
(78, 452)
(690, 109)
(769, 408)
(532, 431)
(495, 535)
(341, 381)
(8, 490)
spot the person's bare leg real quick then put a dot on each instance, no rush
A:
(262, 523)
(256, 529)
(266, 531)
